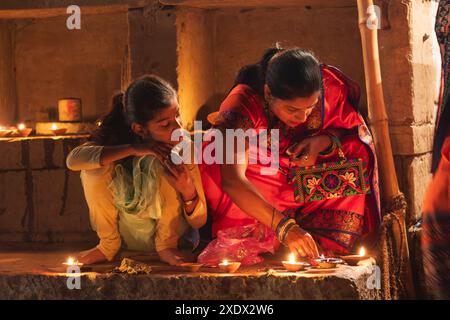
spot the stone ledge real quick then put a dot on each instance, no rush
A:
(37, 152)
(23, 276)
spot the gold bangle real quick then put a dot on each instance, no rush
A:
(289, 228)
(282, 229)
(334, 144)
(286, 230)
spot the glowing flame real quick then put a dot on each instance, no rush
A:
(225, 262)
(21, 126)
(54, 126)
(70, 261)
(292, 258)
(362, 252)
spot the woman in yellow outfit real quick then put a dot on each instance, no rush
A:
(137, 198)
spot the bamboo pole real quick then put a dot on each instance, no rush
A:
(375, 99)
(395, 209)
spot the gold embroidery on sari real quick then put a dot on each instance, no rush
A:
(314, 121)
(233, 120)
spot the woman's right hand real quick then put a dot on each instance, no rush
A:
(91, 256)
(301, 242)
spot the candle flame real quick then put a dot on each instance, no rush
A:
(362, 252)
(225, 262)
(70, 261)
(292, 258)
(54, 127)
(21, 126)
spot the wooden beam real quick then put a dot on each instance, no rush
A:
(215, 4)
(23, 9)
(49, 4)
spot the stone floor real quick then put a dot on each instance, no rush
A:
(37, 273)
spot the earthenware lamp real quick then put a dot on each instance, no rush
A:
(293, 265)
(353, 259)
(72, 262)
(228, 266)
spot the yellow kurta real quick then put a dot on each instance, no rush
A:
(111, 225)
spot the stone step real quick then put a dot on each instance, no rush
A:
(31, 274)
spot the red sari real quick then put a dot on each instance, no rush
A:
(336, 224)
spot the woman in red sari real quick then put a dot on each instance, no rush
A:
(313, 106)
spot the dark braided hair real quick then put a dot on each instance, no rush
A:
(292, 73)
(142, 99)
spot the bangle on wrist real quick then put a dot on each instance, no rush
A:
(288, 228)
(283, 226)
(335, 143)
(285, 230)
(280, 224)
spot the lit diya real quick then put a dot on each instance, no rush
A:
(72, 262)
(293, 265)
(192, 267)
(327, 263)
(4, 132)
(23, 131)
(353, 259)
(229, 267)
(56, 131)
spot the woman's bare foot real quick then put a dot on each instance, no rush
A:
(91, 256)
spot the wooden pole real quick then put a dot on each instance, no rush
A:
(395, 209)
(368, 24)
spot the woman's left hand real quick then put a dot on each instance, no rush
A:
(305, 153)
(174, 257)
(180, 178)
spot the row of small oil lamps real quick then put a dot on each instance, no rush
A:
(293, 265)
(324, 263)
(23, 131)
(225, 265)
(290, 265)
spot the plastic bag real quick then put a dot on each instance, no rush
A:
(241, 244)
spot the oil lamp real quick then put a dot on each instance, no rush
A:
(56, 131)
(192, 267)
(353, 259)
(23, 130)
(228, 266)
(72, 262)
(327, 263)
(293, 265)
(5, 131)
